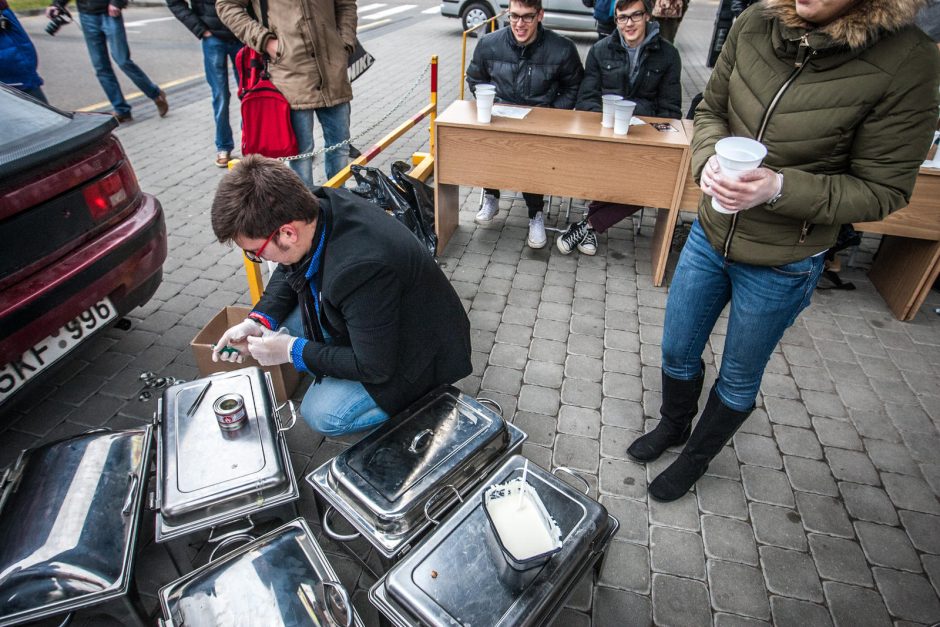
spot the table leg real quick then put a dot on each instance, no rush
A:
(446, 213)
(662, 242)
(903, 273)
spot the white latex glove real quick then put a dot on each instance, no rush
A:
(232, 345)
(272, 349)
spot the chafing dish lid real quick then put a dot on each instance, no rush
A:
(452, 579)
(273, 580)
(68, 520)
(403, 461)
(203, 466)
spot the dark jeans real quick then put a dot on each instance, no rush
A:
(534, 202)
(765, 300)
(216, 53)
(102, 33)
(602, 215)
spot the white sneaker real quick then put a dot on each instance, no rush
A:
(537, 237)
(488, 211)
(588, 245)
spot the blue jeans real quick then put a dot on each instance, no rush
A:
(335, 123)
(335, 406)
(215, 55)
(103, 32)
(765, 300)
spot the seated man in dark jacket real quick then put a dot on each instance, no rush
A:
(361, 305)
(530, 66)
(637, 63)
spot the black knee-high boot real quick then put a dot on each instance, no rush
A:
(680, 405)
(716, 426)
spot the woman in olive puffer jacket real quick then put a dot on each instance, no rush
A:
(843, 93)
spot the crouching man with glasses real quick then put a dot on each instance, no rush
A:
(355, 300)
(530, 66)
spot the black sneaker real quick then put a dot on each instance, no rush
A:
(573, 236)
(588, 245)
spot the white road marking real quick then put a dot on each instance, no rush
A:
(363, 27)
(392, 11)
(432, 10)
(142, 22)
(369, 7)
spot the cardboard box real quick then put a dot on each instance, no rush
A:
(284, 377)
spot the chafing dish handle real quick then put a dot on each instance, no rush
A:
(329, 530)
(232, 533)
(232, 539)
(575, 474)
(434, 496)
(293, 416)
(341, 591)
(489, 401)
(131, 493)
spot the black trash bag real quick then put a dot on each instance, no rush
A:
(403, 203)
(420, 195)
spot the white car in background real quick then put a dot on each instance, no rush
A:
(559, 14)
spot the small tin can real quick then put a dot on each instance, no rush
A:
(230, 411)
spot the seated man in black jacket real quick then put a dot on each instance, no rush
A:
(637, 63)
(530, 66)
(360, 304)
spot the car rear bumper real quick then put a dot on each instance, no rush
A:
(124, 264)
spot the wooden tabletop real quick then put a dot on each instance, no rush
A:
(564, 123)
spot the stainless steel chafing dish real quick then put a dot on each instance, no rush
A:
(393, 484)
(451, 578)
(208, 475)
(281, 579)
(69, 514)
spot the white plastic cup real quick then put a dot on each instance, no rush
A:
(485, 106)
(737, 155)
(623, 113)
(607, 102)
(484, 87)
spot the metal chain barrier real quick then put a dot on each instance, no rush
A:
(411, 90)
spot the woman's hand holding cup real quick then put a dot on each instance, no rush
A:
(739, 192)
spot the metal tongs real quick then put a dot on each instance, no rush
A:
(199, 397)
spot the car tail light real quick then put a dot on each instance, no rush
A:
(111, 193)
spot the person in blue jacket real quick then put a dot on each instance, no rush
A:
(18, 58)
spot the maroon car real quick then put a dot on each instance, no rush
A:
(82, 245)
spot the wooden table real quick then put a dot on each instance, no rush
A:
(908, 261)
(563, 153)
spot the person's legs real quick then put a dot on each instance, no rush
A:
(214, 56)
(338, 406)
(765, 302)
(699, 291)
(96, 41)
(537, 237)
(335, 124)
(603, 215)
(302, 122)
(121, 53)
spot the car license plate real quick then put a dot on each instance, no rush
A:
(15, 374)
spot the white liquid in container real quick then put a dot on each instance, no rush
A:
(522, 524)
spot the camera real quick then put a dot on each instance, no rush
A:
(58, 20)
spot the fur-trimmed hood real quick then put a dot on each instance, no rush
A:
(865, 22)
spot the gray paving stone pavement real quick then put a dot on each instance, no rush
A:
(823, 511)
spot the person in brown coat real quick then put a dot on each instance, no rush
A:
(308, 43)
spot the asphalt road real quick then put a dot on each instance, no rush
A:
(171, 55)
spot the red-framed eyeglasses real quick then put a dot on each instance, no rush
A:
(255, 255)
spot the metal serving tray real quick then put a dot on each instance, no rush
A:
(452, 579)
(392, 484)
(69, 513)
(281, 579)
(207, 476)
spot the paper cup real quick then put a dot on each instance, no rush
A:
(485, 107)
(623, 112)
(737, 155)
(607, 102)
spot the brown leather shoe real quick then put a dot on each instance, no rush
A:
(162, 105)
(123, 118)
